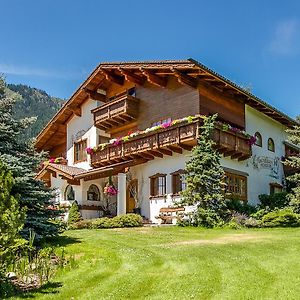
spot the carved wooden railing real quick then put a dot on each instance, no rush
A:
(176, 138)
(119, 111)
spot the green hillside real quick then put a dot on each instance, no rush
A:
(35, 102)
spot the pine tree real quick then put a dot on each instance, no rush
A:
(74, 214)
(204, 179)
(22, 160)
(294, 162)
(11, 218)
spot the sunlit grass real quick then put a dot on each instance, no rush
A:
(179, 263)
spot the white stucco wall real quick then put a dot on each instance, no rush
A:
(80, 128)
(80, 192)
(263, 168)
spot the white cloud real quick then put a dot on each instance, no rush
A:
(28, 71)
(286, 37)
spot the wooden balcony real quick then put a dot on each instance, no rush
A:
(121, 110)
(170, 140)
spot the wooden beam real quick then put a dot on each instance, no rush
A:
(155, 153)
(185, 147)
(95, 96)
(130, 76)
(154, 79)
(75, 109)
(146, 155)
(73, 182)
(113, 77)
(175, 149)
(185, 79)
(165, 151)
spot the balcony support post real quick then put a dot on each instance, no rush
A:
(121, 197)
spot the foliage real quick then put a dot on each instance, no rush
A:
(128, 220)
(19, 155)
(11, 222)
(179, 263)
(277, 200)
(206, 217)
(204, 179)
(238, 206)
(281, 218)
(294, 162)
(34, 103)
(74, 214)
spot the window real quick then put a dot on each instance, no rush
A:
(103, 139)
(236, 186)
(167, 120)
(258, 141)
(93, 193)
(80, 151)
(275, 188)
(158, 185)
(178, 183)
(69, 193)
(271, 145)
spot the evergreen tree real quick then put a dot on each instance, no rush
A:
(74, 214)
(294, 162)
(204, 177)
(11, 218)
(22, 160)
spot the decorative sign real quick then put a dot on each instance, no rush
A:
(268, 163)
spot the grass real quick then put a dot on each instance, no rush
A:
(178, 263)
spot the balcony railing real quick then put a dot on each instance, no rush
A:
(166, 141)
(118, 112)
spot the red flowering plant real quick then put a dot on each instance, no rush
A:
(89, 150)
(110, 190)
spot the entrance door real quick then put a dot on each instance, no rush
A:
(132, 190)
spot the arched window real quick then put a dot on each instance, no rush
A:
(69, 193)
(258, 141)
(93, 193)
(271, 145)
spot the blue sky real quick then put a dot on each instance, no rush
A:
(55, 44)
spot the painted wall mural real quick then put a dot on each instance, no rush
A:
(267, 163)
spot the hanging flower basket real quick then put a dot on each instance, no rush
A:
(110, 190)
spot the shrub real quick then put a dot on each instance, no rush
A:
(206, 218)
(260, 213)
(281, 218)
(129, 220)
(277, 200)
(240, 207)
(252, 223)
(74, 214)
(82, 224)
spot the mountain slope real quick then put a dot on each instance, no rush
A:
(35, 103)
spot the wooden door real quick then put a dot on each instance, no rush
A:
(132, 189)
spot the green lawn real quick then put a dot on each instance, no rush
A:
(179, 263)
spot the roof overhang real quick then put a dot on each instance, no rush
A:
(188, 72)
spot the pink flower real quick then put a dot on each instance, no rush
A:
(166, 125)
(252, 140)
(52, 160)
(89, 150)
(110, 190)
(117, 142)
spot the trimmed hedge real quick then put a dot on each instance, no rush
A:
(281, 218)
(128, 220)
